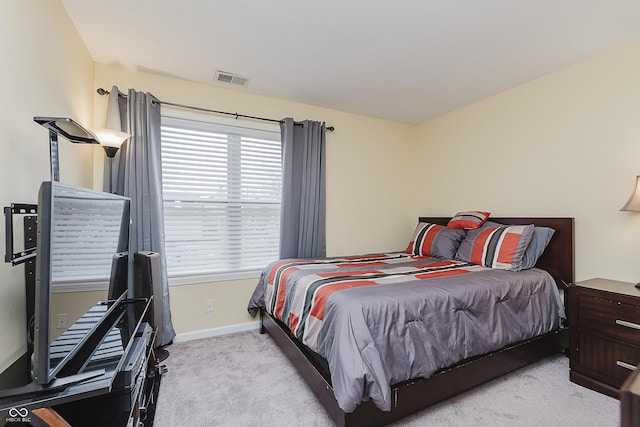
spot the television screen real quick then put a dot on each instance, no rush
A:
(79, 232)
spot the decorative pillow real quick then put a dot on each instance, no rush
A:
(435, 240)
(468, 220)
(496, 247)
(539, 242)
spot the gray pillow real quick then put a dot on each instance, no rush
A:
(539, 242)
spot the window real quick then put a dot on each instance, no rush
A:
(221, 189)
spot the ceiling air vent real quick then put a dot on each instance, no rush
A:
(234, 79)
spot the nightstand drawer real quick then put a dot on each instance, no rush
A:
(609, 317)
(608, 361)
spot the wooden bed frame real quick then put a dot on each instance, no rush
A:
(413, 395)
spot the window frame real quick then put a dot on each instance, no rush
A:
(252, 129)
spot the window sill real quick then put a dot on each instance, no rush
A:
(80, 287)
(213, 277)
(173, 281)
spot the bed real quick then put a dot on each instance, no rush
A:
(380, 336)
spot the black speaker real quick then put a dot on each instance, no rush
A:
(118, 279)
(147, 283)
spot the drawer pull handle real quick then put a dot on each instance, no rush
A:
(625, 365)
(627, 324)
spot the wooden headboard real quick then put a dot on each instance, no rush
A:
(558, 257)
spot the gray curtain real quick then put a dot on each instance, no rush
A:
(139, 177)
(302, 221)
(117, 120)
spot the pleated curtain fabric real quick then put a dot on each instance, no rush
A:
(116, 120)
(303, 212)
(139, 177)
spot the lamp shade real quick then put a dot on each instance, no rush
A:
(111, 137)
(633, 204)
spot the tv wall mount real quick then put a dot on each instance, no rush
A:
(29, 213)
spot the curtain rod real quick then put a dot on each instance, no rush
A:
(102, 91)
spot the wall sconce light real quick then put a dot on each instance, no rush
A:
(70, 130)
(633, 204)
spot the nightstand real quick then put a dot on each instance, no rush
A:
(604, 333)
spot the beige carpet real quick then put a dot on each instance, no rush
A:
(243, 379)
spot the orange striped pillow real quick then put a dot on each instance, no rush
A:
(496, 247)
(435, 240)
(469, 220)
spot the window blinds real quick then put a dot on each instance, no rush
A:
(221, 189)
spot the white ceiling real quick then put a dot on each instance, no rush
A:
(404, 60)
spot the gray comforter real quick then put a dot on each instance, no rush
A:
(405, 326)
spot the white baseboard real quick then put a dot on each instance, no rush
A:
(214, 332)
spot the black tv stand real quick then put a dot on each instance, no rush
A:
(133, 386)
(116, 386)
(58, 384)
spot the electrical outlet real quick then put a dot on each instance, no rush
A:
(208, 306)
(62, 321)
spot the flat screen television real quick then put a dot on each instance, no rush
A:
(80, 231)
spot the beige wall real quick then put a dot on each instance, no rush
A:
(567, 144)
(74, 305)
(46, 71)
(368, 184)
